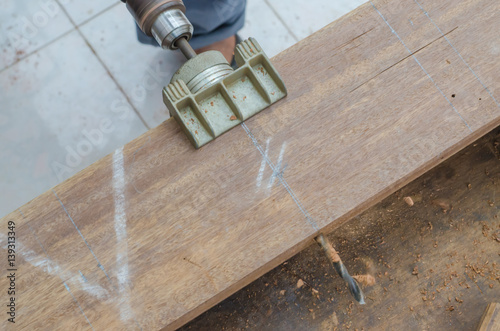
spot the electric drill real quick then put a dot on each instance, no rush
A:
(206, 96)
(165, 21)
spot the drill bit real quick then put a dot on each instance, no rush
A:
(186, 49)
(334, 258)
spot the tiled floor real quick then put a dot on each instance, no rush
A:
(75, 84)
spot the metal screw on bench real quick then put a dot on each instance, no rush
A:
(334, 258)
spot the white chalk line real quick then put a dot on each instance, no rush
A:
(282, 180)
(421, 66)
(45, 265)
(120, 223)
(260, 176)
(458, 53)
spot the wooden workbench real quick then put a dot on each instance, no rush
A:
(156, 233)
(436, 264)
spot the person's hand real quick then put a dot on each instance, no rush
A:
(226, 47)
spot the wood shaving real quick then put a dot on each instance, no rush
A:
(409, 201)
(300, 283)
(365, 280)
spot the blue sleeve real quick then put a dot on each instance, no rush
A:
(214, 20)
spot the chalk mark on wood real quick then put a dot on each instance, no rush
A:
(126, 312)
(278, 171)
(57, 271)
(260, 176)
(287, 187)
(84, 240)
(458, 53)
(421, 66)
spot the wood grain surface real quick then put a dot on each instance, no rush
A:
(156, 233)
(490, 320)
(435, 264)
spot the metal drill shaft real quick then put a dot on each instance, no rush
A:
(334, 258)
(185, 48)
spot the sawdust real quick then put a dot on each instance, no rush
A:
(365, 280)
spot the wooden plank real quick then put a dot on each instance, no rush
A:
(433, 270)
(491, 318)
(158, 232)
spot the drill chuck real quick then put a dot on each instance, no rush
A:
(169, 27)
(162, 19)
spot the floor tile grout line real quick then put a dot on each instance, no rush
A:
(58, 274)
(87, 20)
(115, 81)
(61, 36)
(282, 21)
(283, 181)
(73, 28)
(105, 67)
(39, 49)
(421, 66)
(456, 51)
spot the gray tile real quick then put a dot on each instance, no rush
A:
(82, 10)
(57, 105)
(305, 18)
(263, 24)
(141, 70)
(27, 25)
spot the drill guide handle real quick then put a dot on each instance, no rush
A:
(214, 99)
